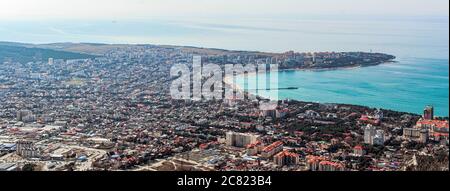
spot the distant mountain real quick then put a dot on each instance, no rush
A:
(85, 48)
(99, 49)
(18, 52)
(14, 44)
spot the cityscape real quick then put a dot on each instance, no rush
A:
(197, 95)
(108, 108)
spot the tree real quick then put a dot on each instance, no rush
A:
(29, 167)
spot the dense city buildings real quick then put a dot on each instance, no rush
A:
(416, 134)
(113, 111)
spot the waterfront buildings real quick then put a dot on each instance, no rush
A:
(428, 113)
(438, 129)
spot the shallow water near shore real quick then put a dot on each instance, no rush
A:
(407, 85)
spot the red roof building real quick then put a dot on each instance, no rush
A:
(438, 129)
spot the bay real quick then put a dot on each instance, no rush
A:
(408, 85)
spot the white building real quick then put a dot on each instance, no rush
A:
(369, 133)
(379, 138)
(240, 139)
(372, 136)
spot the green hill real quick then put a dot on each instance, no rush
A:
(24, 54)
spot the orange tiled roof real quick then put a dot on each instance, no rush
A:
(359, 147)
(329, 163)
(286, 153)
(313, 159)
(272, 146)
(435, 123)
(254, 144)
(440, 134)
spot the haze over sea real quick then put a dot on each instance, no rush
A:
(421, 45)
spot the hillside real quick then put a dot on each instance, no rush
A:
(24, 54)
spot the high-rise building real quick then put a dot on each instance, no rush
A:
(50, 61)
(379, 138)
(286, 158)
(416, 134)
(254, 149)
(369, 133)
(26, 149)
(317, 163)
(372, 136)
(22, 114)
(269, 113)
(331, 166)
(437, 129)
(240, 139)
(428, 113)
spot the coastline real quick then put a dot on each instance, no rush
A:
(348, 71)
(230, 82)
(337, 68)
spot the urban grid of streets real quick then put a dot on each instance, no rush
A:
(114, 112)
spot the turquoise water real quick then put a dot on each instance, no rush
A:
(408, 85)
(421, 44)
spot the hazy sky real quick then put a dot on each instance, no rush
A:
(129, 9)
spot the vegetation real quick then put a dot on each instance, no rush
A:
(23, 54)
(29, 167)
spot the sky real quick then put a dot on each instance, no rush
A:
(12, 10)
(397, 26)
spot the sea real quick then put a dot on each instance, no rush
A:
(419, 77)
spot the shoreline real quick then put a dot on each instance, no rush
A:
(229, 82)
(337, 68)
